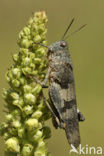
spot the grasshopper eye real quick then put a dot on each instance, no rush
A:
(63, 44)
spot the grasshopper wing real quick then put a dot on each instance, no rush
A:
(64, 105)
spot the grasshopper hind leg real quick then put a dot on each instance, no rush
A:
(56, 123)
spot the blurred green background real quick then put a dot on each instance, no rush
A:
(87, 52)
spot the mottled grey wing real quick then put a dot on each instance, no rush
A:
(64, 103)
(70, 115)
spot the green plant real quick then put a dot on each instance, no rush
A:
(24, 130)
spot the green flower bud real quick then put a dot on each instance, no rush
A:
(37, 114)
(45, 42)
(27, 88)
(40, 15)
(44, 17)
(30, 21)
(16, 112)
(35, 72)
(35, 20)
(39, 153)
(32, 56)
(41, 51)
(27, 150)
(32, 65)
(34, 27)
(40, 125)
(15, 83)
(13, 131)
(30, 38)
(28, 109)
(37, 60)
(33, 33)
(25, 43)
(9, 117)
(41, 66)
(16, 72)
(26, 70)
(5, 93)
(41, 28)
(26, 31)
(42, 76)
(21, 34)
(6, 135)
(15, 57)
(41, 105)
(16, 124)
(37, 38)
(31, 124)
(37, 135)
(7, 77)
(3, 129)
(26, 61)
(37, 89)
(10, 75)
(12, 145)
(21, 132)
(15, 96)
(22, 80)
(24, 51)
(4, 125)
(18, 103)
(30, 98)
(41, 144)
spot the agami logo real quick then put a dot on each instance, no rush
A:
(87, 150)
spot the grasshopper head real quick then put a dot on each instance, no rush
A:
(58, 46)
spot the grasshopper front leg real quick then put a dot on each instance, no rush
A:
(43, 84)
(46, 77)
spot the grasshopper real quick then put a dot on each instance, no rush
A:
(63, 105)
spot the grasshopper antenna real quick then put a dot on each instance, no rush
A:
(68, 28)
(76, 31)
(42, 45)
